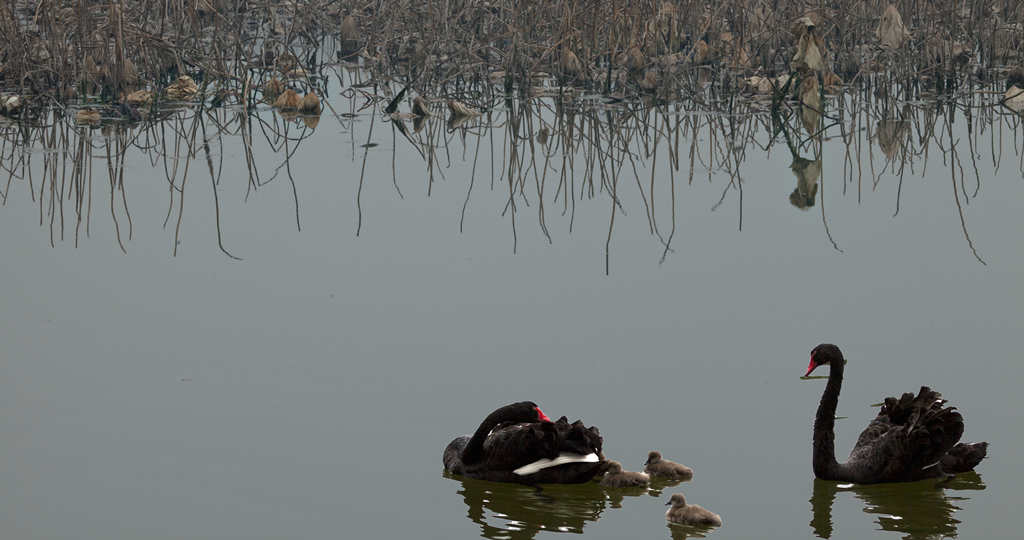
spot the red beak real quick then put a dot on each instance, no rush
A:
(810, 367)
(541, 417)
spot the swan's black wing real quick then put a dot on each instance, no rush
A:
(507, 447)
(908, 439)
(510, 446)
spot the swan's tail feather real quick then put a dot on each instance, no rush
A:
(931, 429)
(964, 457)
(578, 438)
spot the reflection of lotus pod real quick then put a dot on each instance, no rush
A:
(943, 50)
(832, 82)
(807, 173)
(667, 23)
(632, 59)
(701, 52)
(810, 104)
(182, 89)
(758, 85)
(740, 56)
(650, 81)
(349, 30)
(1007, 38)
(268, 56)
(87, 116)
(286, 62)
(459, 108)
(273, 88)
(891, 31)
(91, 70)
(669, 60)
(398, 120)
(11, 104)
(418, 123)
(311, 121)
(457, 120)
(809, 93)
(349, 38)
(960, 53)
(419, 106)
(129, 74)
(542, 135)
(138, 97)
(569, 63)
(310, 104)
(288, 101)
(892, 134)
(1013, 99)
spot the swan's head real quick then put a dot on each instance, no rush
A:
(653, 457)
(826, 353)
(677, 500)
(525, 411)
(614, 467)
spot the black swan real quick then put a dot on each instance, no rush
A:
(519, 443)
(911, 438)
(616, 477)
(690, 514)
(663, 468)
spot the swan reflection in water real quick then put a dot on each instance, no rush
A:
(679, 531)
(919, 510)
(515, 511)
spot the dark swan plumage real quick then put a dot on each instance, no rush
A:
(518, 443)
(912, 438)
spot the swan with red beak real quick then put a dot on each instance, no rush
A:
(519, 443)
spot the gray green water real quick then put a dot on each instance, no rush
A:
(307, 390)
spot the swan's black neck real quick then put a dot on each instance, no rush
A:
(825, 464)
(474, 450)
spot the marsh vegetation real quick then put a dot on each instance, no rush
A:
(552, 104)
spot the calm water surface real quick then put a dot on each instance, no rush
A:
(307, 390)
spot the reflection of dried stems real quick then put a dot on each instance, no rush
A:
(69, 151)
(551, 153)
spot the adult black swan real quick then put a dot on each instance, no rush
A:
(519, 443)
(912, 438)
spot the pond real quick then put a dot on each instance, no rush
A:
(231, 325)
